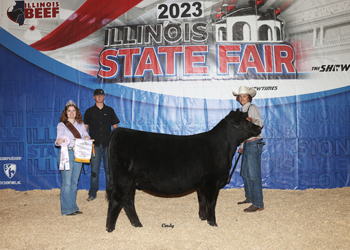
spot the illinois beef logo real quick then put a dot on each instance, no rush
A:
(22, 10)
(241, 42)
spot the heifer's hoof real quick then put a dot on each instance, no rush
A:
(109, 230)
(202, 216)
(138, 224)
(212, 223)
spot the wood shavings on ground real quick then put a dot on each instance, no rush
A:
(309, 219)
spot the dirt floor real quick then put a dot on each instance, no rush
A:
(310, 219)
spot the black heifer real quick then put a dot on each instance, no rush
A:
(171, 164)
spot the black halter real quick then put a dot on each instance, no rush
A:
(234, 125)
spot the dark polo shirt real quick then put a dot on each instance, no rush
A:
(100, 122)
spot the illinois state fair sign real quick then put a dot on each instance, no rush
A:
(187, 49)
(170, 67)
(241, 44)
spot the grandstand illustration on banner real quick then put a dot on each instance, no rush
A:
(248, 24)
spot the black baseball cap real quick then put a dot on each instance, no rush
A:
(99, 92)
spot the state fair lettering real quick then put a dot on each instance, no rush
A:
(275, 59)
(194, 57)
(193, 60)
(239, 44)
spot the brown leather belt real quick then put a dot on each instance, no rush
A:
(254, 139)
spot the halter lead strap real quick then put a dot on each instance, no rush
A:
(235, 126)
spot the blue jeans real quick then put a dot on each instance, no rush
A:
(251, 172)
(69, 187)
(101, 153)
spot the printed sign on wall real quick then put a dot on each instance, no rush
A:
(171, 67)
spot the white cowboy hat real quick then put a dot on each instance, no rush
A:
(245, 90)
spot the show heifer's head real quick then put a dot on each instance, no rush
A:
(246, 128)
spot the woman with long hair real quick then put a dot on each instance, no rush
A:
(71, 126)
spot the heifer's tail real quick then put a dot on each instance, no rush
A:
(109, 187)
(109, 190)
(108, 195)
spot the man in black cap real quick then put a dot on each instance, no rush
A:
(98, 121)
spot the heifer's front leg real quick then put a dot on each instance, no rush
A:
(202, 204)
(129, 207)
(211, 196)
(114, 207)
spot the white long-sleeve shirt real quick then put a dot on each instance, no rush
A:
(63, 130)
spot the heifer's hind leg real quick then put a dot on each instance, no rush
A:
(114, 207)
(202, 204)
(129, 207)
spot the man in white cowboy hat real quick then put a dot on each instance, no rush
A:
(251, 150)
